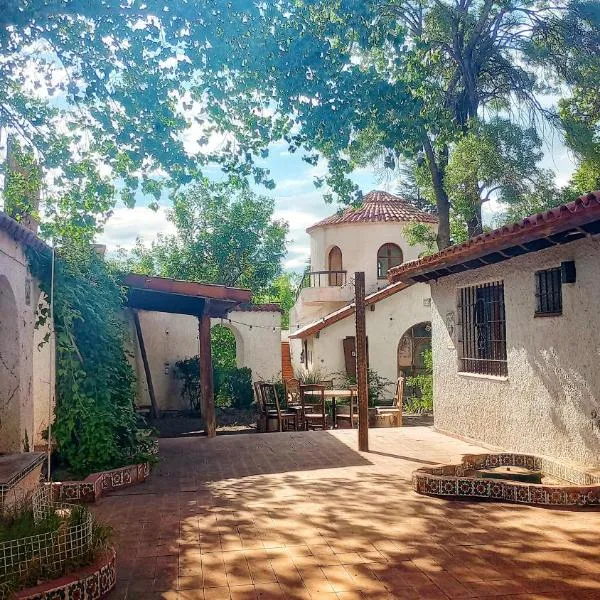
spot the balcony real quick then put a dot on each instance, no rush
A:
(323, 286)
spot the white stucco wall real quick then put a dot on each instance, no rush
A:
(169, 338)
(386, 324)
(18, 294)
(545, 404)
(43, 369)
(359, 243)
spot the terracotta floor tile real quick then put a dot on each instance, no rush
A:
(265, 514)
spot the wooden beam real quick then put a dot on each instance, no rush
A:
(361, 363)
(140, 337)
(207, 394)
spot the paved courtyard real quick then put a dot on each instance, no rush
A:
(304, 515)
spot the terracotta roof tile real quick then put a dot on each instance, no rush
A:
(584, 210)
(378, 207)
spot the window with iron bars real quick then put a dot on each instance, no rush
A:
(548, 292)
(482, 329)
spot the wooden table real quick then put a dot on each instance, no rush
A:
(333, 395)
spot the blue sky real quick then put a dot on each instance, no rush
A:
(296, 200)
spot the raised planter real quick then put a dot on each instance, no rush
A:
(581, 488)
(97, 484)
(87, 583)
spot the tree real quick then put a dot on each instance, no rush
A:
(571, 50)
(282, 291)
(225, 235)
(101, 93)
(403, 78)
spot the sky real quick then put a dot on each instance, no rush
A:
(297, 201)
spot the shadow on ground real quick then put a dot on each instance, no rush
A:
(306, 516)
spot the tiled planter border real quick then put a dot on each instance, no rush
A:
(97, 484)
(88, 583)
(583, 488)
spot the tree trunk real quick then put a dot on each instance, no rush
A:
(441, 197)
(475, 223)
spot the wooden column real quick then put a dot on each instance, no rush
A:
(138, 330)
(206, 376)
(361, 362)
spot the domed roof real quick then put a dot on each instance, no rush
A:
(378, 207)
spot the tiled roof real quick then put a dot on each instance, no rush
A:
(21, 234)
(378, 207)
(346, 311)
(270, 307)
(558, 225)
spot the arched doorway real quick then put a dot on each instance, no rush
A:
(224, 348)
(412, 344)
(10, 381)
(335, 267)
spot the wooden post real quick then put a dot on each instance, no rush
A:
(138, 329)
(206, 376)
(361, 362)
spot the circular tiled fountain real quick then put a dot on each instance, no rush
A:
(481, 476)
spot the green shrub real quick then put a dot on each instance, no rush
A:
(420, 388)
(377, 385)
(232, 386)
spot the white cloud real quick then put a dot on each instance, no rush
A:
(127, 224)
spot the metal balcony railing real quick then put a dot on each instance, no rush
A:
(314, 279)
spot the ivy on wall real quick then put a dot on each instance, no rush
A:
(96, 426)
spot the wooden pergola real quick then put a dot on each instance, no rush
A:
(201, 300)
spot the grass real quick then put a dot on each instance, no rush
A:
(19, 523)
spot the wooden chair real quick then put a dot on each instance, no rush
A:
(273, 409)
(352, 416)
(292, 391)
(399, 395)
(313, 406)
(292, 397)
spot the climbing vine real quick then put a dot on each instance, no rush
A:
(96, 426)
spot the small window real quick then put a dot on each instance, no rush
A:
(388, 256)
(483, 329)
(548, 292)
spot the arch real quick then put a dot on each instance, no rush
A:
(235, 343)
(415, 340)
(10, 380)
(389, 255)
(334, 265)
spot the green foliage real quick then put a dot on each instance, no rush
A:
(95, 423)
(222, 343)
(20, 523)
(188, 372)
(22, 186)
(283, 292)
(232, 386)
(378, 385)
(225, 234)
(494, 159)
(421, 388)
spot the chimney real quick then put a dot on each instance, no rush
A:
(22, 186)
(100, 250)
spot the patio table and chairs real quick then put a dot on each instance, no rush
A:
(328, 395)
(270, 408)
